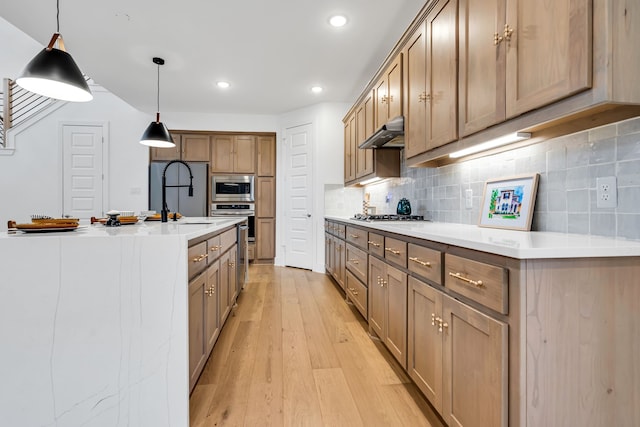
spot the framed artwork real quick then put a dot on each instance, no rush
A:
(508, 202)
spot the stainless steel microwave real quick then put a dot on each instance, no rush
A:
(232, 188)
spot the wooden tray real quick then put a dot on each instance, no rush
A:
(124, 220)
(157, 217)
(43, 226)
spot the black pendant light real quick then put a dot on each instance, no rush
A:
(157, 134)
(54, 73)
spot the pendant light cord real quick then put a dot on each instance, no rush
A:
(57, 16)
(158, 91)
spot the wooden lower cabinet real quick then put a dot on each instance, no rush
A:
(197, 345)
(265, 238)
(335, 258)
(458, 358)
(388, 307)
(228, 280)
(211, 320)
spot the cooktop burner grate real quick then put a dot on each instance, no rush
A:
(388, 217)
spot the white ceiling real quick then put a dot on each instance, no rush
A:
(271, 51)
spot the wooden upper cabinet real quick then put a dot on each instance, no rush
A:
(349, 148)
(165, 154)
(222, 153)
(415, 63)
(244, 153)
(442, 71)
(388, 93)
(266, 156)
(233, 153)
(430, 59)
(364, 129)
(520, 55)
(195, 148)
(549, 52)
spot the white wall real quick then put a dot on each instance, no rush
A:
(328, 168)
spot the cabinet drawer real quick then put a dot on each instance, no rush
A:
(197, 258)
(376, 244)
(395, 251)
(214, 248)
(483, 283)
(425, 262)
(356, 262)
(357, 236)
(357, 293)
(227, 239)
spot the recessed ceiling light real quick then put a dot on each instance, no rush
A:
(223, 85)
(316, 89)
(338, 20)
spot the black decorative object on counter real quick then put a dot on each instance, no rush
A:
(404, 207)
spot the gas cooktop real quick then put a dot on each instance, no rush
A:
(388, 217)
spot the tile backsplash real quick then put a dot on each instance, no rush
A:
(566, 199)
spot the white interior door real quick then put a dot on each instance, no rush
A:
(82, 163)
(298, 202)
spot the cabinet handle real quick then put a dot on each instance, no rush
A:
(422, 263)
(507, 32)
(354, 236)
(353, 291)
(433, 319)
(393, 251)
(377, 245)
(442, 324)
(214, 248)
(497, 39)
(354, 261)
(476, 283)
(200, 258)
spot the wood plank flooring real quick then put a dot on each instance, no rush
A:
(295, 354)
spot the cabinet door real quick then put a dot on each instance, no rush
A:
(165, 154)
(244, 154)
(195, 148)
(381, 105)
(549, 52)
(328, 253)
(415, 137)
(211, 325)
(340, 262)
(394, 79)
(222, 153)
(197, 357)
(266, 156)
(424, 355)
(364, 123)
(396, 318)
(265, 238)
(349, 148)
(442, 72)
(224, 307)
(482, 64)
(266, 197)
(475, 367)
(233, 274)
(377, 296)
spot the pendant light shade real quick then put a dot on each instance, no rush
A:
(54, 73)
(157, 134)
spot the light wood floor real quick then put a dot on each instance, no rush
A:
(295, 354)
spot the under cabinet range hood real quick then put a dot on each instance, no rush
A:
(389, 135)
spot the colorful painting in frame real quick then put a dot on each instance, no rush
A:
(508, 202)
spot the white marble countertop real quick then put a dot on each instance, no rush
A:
(189, 227)
(510, 243)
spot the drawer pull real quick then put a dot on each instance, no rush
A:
(422, 263)
(354, 261)
(354, 236)
(353, 291)
(433, 319)
(476, 283)
(377, 245)
(214, 248)
(393, 251)
(199, 258)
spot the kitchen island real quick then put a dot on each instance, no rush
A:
(94, 324)
(499, 327)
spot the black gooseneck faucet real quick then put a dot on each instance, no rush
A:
(164, 212)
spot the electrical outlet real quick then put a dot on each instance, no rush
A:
(468, 198)
(606, 192)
